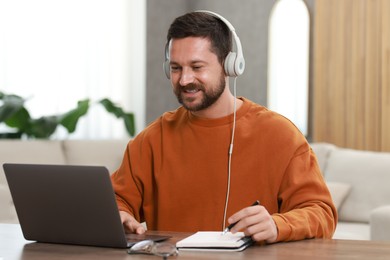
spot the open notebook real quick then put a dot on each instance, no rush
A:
(215, 240)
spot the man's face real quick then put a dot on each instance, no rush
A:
(197, 77)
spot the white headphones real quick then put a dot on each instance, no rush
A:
(234, 64)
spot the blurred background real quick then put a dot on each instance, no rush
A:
(324, 64)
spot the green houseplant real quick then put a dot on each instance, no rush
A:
(15, 115)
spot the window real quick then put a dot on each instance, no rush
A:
(288, 61)
(58, 52)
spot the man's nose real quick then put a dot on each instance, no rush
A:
(186, 77)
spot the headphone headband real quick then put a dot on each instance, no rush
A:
(234, 64)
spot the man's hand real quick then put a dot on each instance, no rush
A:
(130, 224)
(255, 221)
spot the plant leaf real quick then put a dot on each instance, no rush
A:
(15, 115)
(16, 135)
(69, 120)
(128, 118)
(43, 127)
(11, 105)
(20, 119)
(111, 107)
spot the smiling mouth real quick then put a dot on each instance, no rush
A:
(191, 90)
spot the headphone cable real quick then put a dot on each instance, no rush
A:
(230, 153)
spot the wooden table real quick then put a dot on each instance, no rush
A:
(14, 246)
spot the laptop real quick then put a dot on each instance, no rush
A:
(68, 205)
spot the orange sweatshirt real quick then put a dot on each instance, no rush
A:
(174, 174)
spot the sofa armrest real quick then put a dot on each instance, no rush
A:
(380, 223)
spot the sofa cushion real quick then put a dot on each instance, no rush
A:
(369, 176)
(339, 192)
(108, 153)
(34, 151)
(322, 152)
(352, 230)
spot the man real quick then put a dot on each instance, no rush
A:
(176, 175)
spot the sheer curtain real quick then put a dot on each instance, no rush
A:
(58, 52)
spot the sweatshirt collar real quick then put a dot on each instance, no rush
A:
(209, 122)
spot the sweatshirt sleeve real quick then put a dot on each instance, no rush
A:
(126, 187)
(306, 208)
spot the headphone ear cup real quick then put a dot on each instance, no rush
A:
(239, 65)
(229, 64)
(167, 69)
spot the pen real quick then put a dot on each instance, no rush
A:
(233, 224)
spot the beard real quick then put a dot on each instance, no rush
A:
(209, 97)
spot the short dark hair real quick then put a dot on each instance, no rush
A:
(198, 24)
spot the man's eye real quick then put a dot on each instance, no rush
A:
(175, 68)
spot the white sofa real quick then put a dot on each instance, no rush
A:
(107, 153)
(360, 185)
(358, 180)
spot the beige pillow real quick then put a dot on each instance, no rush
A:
(339, 192)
